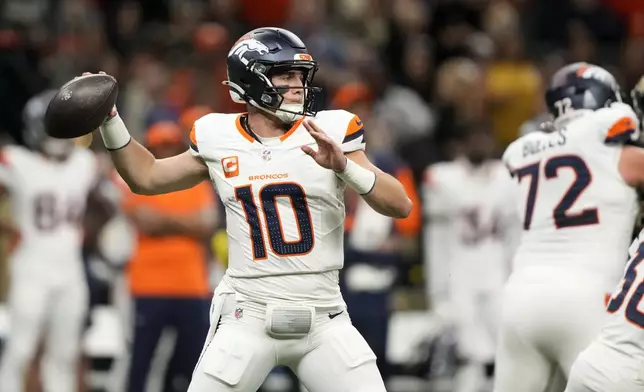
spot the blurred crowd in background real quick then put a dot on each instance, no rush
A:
(419, 73)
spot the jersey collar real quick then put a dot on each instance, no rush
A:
(251, 137)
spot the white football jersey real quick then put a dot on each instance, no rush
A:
(576, 209)
(471, 226)
(624, 330)
(284, 212)
(48, 200)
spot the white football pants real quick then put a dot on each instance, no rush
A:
(600, 368)
(548, 318)
(238, 353)
(49, 306)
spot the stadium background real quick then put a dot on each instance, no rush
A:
(416, 71)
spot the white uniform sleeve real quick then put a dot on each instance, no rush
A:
(508, 156)
(199, 132)
(354, 136)
(617, 124)
(438, 233)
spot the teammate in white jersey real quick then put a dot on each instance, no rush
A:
(613, 361)
(578, 203)
(48, 185)
(470, 236)
(281, 179)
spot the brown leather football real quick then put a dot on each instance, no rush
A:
(81, 106)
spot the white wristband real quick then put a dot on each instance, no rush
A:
(115, 134)
(357, 177)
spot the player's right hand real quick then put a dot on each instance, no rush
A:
(113, 112)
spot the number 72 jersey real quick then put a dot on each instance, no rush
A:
(577, 211)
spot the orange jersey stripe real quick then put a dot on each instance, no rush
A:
(620, 127)
(241, 129)
(354, 126)
(293, 128)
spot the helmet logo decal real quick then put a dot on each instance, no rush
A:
(592, 72)
(248, 45)
(303, 56)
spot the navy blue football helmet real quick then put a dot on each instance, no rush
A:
(259, 55)
(581, 86)
(33, 132)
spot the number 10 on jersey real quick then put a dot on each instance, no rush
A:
(268, 196)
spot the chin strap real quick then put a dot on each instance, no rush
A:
(287, 112)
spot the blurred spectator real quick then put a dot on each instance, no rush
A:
(19, 79)
(190, 115)
(143, 96)
(459, 98)
(168, 276)
(512, 81)
(540, 115)
(633, 61)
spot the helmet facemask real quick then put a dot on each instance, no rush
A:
(264, 95)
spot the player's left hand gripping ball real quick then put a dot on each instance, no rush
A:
(329, 154)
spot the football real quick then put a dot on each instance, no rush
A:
(81, 106)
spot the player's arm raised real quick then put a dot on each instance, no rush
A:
(381, 191)
(143, 173)
(387, 195)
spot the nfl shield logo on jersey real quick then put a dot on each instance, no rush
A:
(239, 313)
(266, 155)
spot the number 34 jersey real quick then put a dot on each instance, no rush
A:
(577, 210)
(48, 201)
(284, 212)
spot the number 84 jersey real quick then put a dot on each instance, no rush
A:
(48, 201)
(577, 211)
(284, 212)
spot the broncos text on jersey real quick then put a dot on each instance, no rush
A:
(284, 212)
